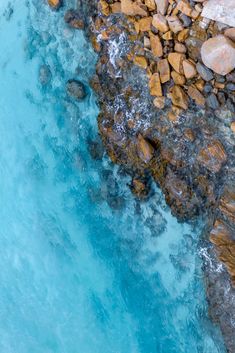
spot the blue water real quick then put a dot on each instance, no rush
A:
(80, 274)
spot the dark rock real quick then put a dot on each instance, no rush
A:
(212, 101)
(96, 149)
(208, 88)
(221, 98)
(55, 4)
(230, 86)
(230, 105)
(205, 73)
(76, 89)
(44, 74)
(231, 77)
(74, 19)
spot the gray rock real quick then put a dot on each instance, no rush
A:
(76, 89)
(212, 101)
(44, 74)
(205, 73)
(230, 86)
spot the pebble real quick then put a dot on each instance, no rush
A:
(204, 72)
(212, 101)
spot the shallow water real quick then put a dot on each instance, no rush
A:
(85, 268)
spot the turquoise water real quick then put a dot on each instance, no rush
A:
(85, 268)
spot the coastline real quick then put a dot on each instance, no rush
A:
(169, 150)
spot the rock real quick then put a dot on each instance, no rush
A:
(189, 69)
(76, 89)
(220, 10)
(180, 48)
(178, 78)
(162, 6)
(212, 101)
(218, 54)
(105, 9)
(196, 95)
(212, 156)
(175, 24)
(160, 23)
(44, 74)
(230, 33)
(131, 8)
(144, 149)
(140, 188)
(73, 19)
(145, 24)
(159, 102)
(230, 86)
(233, 126)
(116, 7)
(176, 61)
(55, 4)
(156, 45)
(140, 61)
(184, 7)
(155, 85)
(164, 70)
(179, 97)
(150, 4)
(204, 72)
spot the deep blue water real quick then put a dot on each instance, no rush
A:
(78, 274)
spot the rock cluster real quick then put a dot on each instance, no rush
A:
(185, 56)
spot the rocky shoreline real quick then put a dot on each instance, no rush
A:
(167, 118)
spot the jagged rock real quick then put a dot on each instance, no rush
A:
(131, 8)
(160, 23)
(164, 70)
(179, 97)
(178, 78)
(156, 45)
(218, 54)
(176, 61)
(220, 10)
(76, 89)
(162, 6)
(144, 149)
(189, 69)
(213, 156)
(73, 19)
(175, 24)
(155, 85)
(196, 95)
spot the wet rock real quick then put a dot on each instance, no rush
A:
(212, 101)
(76, 89)
(218, 54)
(213, 156)
(96, 149)
(74, 19)
(44, 74)
(205, 73)
(55, 4)
(144, 149)
(140, 187)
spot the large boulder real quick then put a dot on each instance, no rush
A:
(218, 54)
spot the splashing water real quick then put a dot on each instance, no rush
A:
(85, 268)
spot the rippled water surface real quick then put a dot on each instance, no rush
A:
(85, 268)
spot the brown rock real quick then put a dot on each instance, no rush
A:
(155, 85)
(167, 36)
(180, 48)
(227, 203)
(116, 7)
(145, 24)
(144, 149)
(105, 9)
(183, 35)
(218, 54)
(156, 45)
(179, 97)
(185, 7)
(176, 61)
(178, 78)
(55, 4)
(131, 8)
(140, 61)
(150, 4)
(233, 126)
(189, 69)
(175, 24)
(164, 70)
(160, 23)
(162, 6)
(213, 156)
(196, 95)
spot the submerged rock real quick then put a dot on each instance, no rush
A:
(74, 19)
(55, 4)
(76, 89)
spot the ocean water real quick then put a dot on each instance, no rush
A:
(85, 268)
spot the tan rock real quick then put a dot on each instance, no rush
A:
(175, 24)
(160, 23)
(185, 7)
(145, 24)
(183, 35)
(218, 53)
(156, 45)
(55, 4)
(196, 95)
(144, 149)
(230, 33)
(131, 8)
(179, 97)
(155, 85)
(164, 70)
(180, 48)
(159, 102)
(150, 4)
(162, 6)
(105, 9)
(178, 78)
(212, 156)
(116, 7)
(167, 36)
(233, 126)
(176, 61)
(189, 69)
(200, 84)
(141, 61)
